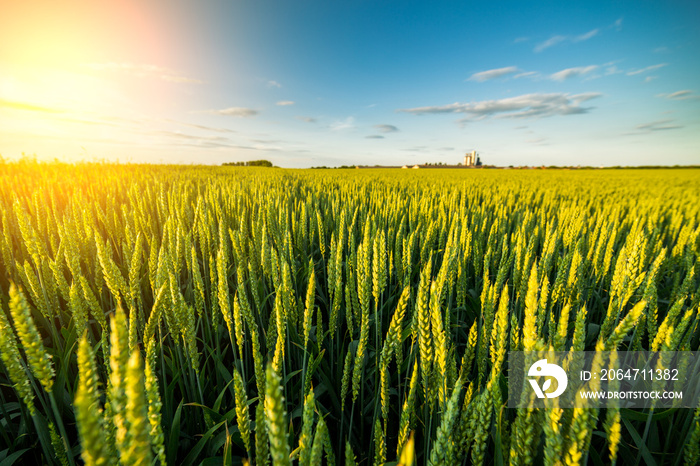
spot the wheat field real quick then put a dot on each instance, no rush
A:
(242, 315)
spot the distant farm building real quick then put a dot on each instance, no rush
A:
(471, 159)
(416, 166)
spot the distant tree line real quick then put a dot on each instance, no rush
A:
(250, 163)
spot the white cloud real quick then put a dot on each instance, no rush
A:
(585, 36)
(143, 71)
(647, 69)
(612, 70)
(235, 112)
(493, 74)
(206, 128)
(386, 128)
(284, 103)
(681, 95)
(348, 123)
(521, 39)
(523, 106)
(659, 125)
(274, 84)
(374, 136)
(306, 119)
(572, 72)
(416, 149)
(617, 24)
(554, 40)
(526, 74)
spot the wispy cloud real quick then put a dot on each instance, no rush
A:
(523, 106)
(680, 95)
(348, 123)
(617, 24)
(374, 136)
(145, 71)
(526, 74)
(240, 112)
(585, 36)
(416, 149)
(551, 42)
(554, 40)
(273, 84)
(202, 127)
(646, 69)
(306, 119)
(493, 74)
(180, 135)
(572, 72)
(27, 107)
(386, 128)
(284, 103)
(521, 39)
(537, 141)
(202, 142)
(659, 125)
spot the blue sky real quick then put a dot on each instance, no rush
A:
(311, 83)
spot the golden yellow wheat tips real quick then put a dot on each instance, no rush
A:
(317, 448)
(309, 308)
(305, 439)
(424, 329)
(262, 444)
(38, 359)
(625, 326)
(12, 359)
(379, 443)
(154, 403)
(275, 414)
(95, 450)
(554, 440)
(92, 303)
(242, 413)
(530, 334)
(223, 295)
(119, 359)
(78, 308)
(137, 451)
(408, 410)
(408, 452)
(345, 382)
